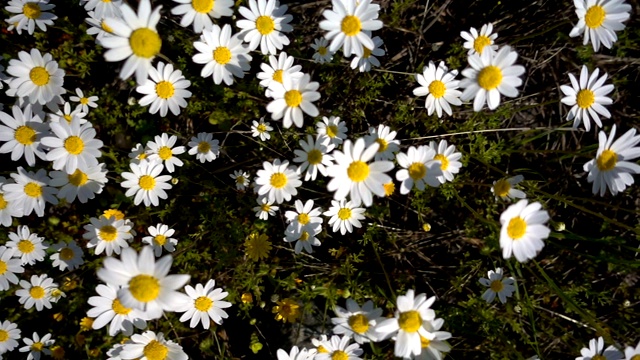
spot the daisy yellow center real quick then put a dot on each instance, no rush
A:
(202, 6)
(66, 254)
(3, 202)
(480, 42)
(607, 160)
(39, 76)
(585, 98)
(437, 89)
(598, 357)
(265, 207)
(203, 303)
(278, 180)
(490, 77)
(304, 236)
(204, 147)
(293, 98)
(351, 25)
(106, 27)
(33, 190)
(417, 170)
(383, 144)
(277, 76)
(108, 233)
(165, 89)
(145, 43)
(160, 239)
(141, 156)
(322, 350)
(366, 52)
(144, 288)
(304, 219)
(595, 16)
(517, 228)
(118, 308)
(240, 179)
(155, 350)
(37, 292)
(117, 214)
(67, 117)
(25, 135)
(146, 182)
(444, 162)
(501, 187)
(37, 346)
(322, 50)
(31, 10)
(314, 157)
(344, 214)
(106, 1)
(389, 188)
(165, 153)
(332, 131)
(410, 321)
(496, 286)
(3, 269)
(84, 101)
(424, 342)
(265, 25)
(359, 323)
(4, 335)
(26, 246)
(86, 323)
(74, 145)
(339, 355)
(358, 171)
(222, 55)
(635, 357)
(262, 128)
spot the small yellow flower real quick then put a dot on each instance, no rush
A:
(119, 215)
(86, 324)
(57, 352)
(69, 284)
(247, 298)
(426, 227)
(287, 310)
(389, 188)
(257, 246)
(58, 317)
(95, 352)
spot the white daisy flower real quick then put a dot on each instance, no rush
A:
(291, 98)
(84, 102)
(145, 283)
(81, 184)
(98, 27)
(162, 150)
(587, 98)
(8, 209)
(275, 70)
(263, 25)
(166, 89)
(304, 237)
(596, 351)
(319, 349)
(322, 54)
(305, 214)
(296, 354)
(448, 158)
(353, 175)
(368, 59)
(146, 183)
(349, 24)
(161, 237)
(9, 336)
(200, 12)
(104, 9)
(204, 303)
(65, 114)
(107, 234)
(265, 208)
(611, 169)
(386, 139)
(438, 84)
(138, 153)
(344, 216)
(478, 42)
(36, 292)
(497, 285)
(73, 146)
(334, 128)
(107, 309)
(599, 20)
(37, 346)
(204, 146)
(419, 167)
(27, 246)
(150, 345)
(29, 14)
(314, 156)
(630, 352)
(10, 267)
(357, 322)
(35, 76)
(523, 228)
(261, 129)
(504, 188)
(22, 134)
(408, 325)
(30, 191)
(490, 75)
(433, 349)
(338, 348)
(134, 38)
(224, 56)
(241, 178)
(67, 256)
(278, 181)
